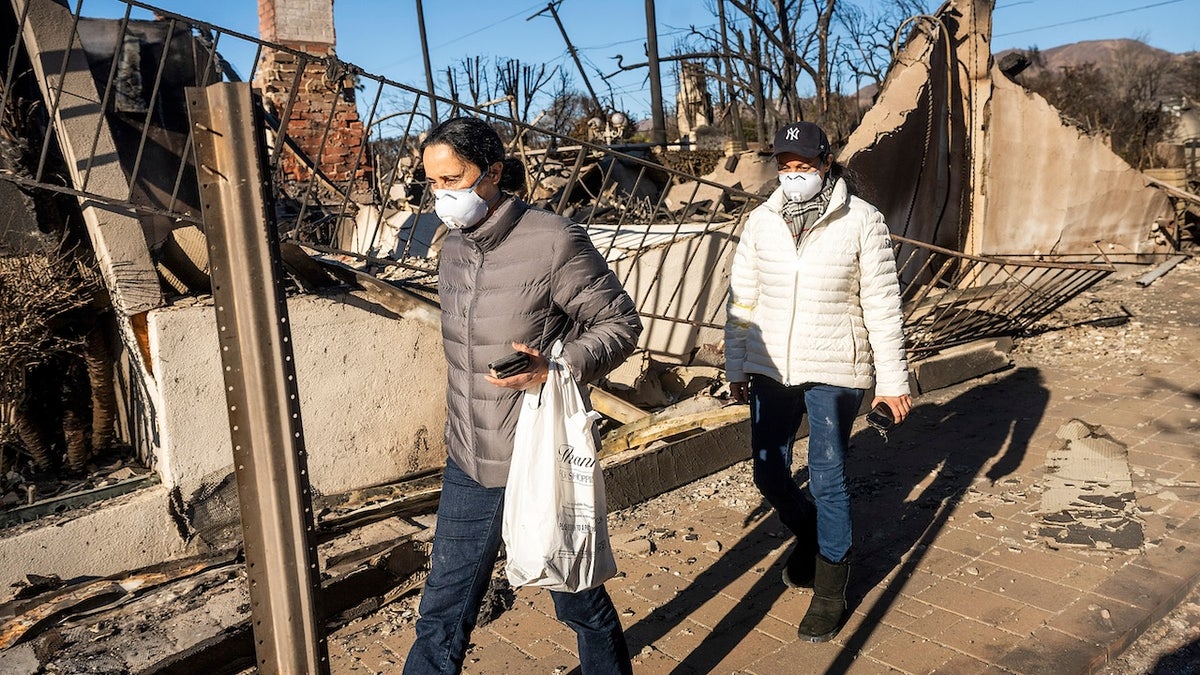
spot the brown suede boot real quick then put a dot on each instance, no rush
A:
(828, 608)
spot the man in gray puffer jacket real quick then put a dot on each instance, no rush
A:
(511, 277)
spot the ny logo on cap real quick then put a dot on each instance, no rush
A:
(793, 134)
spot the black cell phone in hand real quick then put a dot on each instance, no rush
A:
(881, 418)
(514, 363)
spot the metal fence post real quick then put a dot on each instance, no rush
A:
(260, 379)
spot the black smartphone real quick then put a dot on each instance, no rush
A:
(516, 362)
(881, 418)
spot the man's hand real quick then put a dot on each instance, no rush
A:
(538, 371)
(739, 392)
(900, 405)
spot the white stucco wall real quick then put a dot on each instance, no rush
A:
(372, 392)
(119, 534)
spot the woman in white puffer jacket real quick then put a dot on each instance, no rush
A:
(813, 322)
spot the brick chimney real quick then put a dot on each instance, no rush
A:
(307, 26)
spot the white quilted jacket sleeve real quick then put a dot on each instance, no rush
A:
(743, 298)
(880, 299)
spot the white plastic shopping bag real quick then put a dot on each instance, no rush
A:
(555, 514)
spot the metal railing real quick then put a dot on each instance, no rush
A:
(951, 298)
(668, 235)
(630, 203)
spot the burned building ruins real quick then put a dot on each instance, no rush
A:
(122, 176)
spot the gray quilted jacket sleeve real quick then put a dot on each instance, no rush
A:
(607, 325)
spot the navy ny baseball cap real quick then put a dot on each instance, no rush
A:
(801, 138)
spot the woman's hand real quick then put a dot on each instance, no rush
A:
(538, 371)
(900, 405)
(739, 392)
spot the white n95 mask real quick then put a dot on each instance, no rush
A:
(800, 187)
(460, 208)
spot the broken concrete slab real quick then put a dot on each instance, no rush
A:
(961, 363)
(1088, 499)
(20, 659)
(1033, 157)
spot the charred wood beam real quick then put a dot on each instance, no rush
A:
(400, 570)
(397, 299)
(659, 427)
(615, 407)
(417, 495)
(360, 583)
(47, 506)
(1149, 277)
(27, 616)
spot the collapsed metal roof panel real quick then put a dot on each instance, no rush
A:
(1053, 189)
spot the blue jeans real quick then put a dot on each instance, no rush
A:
(465, 547)
(775, 414)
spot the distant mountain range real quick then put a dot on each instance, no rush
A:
(1104, 54)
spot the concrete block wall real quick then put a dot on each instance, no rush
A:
(371, 394)
(127, 532)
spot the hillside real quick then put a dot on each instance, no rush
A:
(1104, 54)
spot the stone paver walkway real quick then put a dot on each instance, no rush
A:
(952, 572)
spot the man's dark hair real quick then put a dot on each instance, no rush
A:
(471, 138)
(477, 142)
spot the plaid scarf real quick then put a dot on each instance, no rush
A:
(800, 216)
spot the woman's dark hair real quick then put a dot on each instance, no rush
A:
(478, 143)
(513, 178)
(838, 170)
(471, 138)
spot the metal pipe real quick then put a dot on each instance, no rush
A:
(658, 132)
(262, 397)
(433, 115)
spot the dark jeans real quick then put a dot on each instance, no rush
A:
(775, 414)
(465, 547)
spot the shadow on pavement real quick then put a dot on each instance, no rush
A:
(1186, 661)
(903, 492)
(755, 549)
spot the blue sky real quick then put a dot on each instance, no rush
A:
(382, 37)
